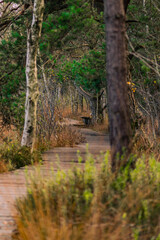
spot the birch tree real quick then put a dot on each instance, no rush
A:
(34, 33)
(119, 118)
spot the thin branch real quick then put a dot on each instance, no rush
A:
(83, 92)
(6, 7)
(155, 5)
(7, 22)
(144, 60)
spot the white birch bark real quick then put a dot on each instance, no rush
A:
(34, 33)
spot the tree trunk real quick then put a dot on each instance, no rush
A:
(101, 105)
(93, 107)
(29, 132)
(144, 8)
(99, 5)
(44, 76)
(75, 101)
(119, 117)
(92, 102)
(104, 104)
(126, 3)
(59, 92)
(72, 99)
(80, 102)
(87, 104)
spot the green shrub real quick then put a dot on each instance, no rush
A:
(93, 203)
(13, 156)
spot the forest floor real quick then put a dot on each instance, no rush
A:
(13, 184)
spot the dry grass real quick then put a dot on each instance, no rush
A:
(63, 136)
(66, 136)
(3, 167)
(56, 135)
(12, 155)
(57, 132)
(77, 116)
(91, 204)
(146, 142)
(101, 127)
(64, 110)
(8, 134)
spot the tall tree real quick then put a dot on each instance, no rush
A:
(34, 33)
(119, 117)
(126, 3)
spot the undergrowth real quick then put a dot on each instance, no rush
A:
(13, 156)
(63, 136)
(101, 127)
(144, 141)
(90, 202)
(67, 136)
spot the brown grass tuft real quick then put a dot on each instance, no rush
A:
(91, 204)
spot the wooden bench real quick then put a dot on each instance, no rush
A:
(86, 120)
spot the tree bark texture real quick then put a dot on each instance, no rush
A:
(126, 3)
(99, 109)
(75, 101)
(80, 98)
(93, 108)
(99, 5)
(44, 77)
(119, 117)
(34, 33)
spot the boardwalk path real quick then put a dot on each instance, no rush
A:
(12, 185)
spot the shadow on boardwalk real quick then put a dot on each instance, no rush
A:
(13, 184)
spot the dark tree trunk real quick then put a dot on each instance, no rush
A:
(126, 3)
(119, 117)
(98, 4)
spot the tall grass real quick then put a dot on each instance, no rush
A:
(90, 203)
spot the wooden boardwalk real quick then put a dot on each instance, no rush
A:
(13, 184)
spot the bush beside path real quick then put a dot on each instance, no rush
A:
(13, 184)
